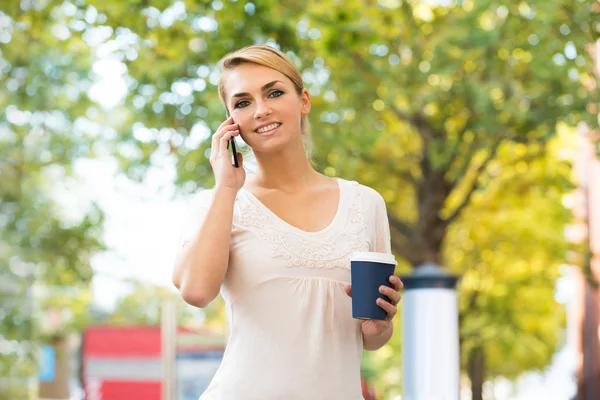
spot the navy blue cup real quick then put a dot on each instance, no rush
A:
(370, 270)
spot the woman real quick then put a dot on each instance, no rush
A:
(277, 246)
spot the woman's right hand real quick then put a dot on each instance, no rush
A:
(226, 175)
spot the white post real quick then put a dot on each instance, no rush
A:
(430, 347)
(168, 336)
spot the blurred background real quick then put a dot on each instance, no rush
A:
(476, 120)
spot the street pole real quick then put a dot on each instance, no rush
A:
(168, 336)
(430, 347)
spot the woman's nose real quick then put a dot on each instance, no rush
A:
(262, 110)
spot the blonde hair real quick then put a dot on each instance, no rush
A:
(269, 57)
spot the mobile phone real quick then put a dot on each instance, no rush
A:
(232, 148)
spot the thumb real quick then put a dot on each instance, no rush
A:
(240, 158)
(348, 290)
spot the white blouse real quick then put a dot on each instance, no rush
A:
(292, 335)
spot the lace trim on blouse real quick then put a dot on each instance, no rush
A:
(330, 250)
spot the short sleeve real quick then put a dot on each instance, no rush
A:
(382, 227)
(195, 215)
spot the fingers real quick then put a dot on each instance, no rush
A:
(391, 310)
(221, 136)
(393, 295)
(226, 125)
(228, 121)
(396, 282)
(225, 138)
(348, 290)
(225, 133)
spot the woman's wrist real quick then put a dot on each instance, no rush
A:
(373, 342)
(224, 190)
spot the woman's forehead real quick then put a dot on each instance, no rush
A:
(251, 78)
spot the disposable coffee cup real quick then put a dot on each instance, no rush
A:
(368, 271)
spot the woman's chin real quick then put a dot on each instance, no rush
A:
(277, 142)
(271, 146)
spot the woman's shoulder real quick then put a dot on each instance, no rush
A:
(367, 193)
(201, 198)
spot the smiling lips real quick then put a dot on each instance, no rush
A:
(268, 128)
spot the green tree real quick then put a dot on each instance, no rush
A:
(508, 248)
(45, 268)
(43, 248)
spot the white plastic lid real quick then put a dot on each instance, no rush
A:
(372, 256)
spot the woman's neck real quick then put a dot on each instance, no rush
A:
(289, 171)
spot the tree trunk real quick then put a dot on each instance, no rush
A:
(477, 372)
(425, 241)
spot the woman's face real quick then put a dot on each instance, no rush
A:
(266, 105)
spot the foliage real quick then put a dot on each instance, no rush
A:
(45, 250)
(508, 250)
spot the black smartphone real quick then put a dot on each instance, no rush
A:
(232, 148)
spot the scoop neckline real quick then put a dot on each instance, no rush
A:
(338, 214)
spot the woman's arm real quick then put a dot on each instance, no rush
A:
(377, 333)
(201, 264)
(375, 342)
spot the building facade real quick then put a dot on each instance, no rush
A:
(587, 303)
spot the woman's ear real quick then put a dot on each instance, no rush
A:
(305, 101)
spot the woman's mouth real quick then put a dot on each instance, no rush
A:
(268, 129)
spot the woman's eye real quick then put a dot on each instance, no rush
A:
(245, 103)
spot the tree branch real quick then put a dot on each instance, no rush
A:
(453, 154)
(408, 13)
(377, 79)
(472, 147)
(390, 165)
(468, 157)
(418, 121)
(401, 227)
(478, 173)
(402, 248)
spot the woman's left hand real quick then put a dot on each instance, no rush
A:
(377, 327)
